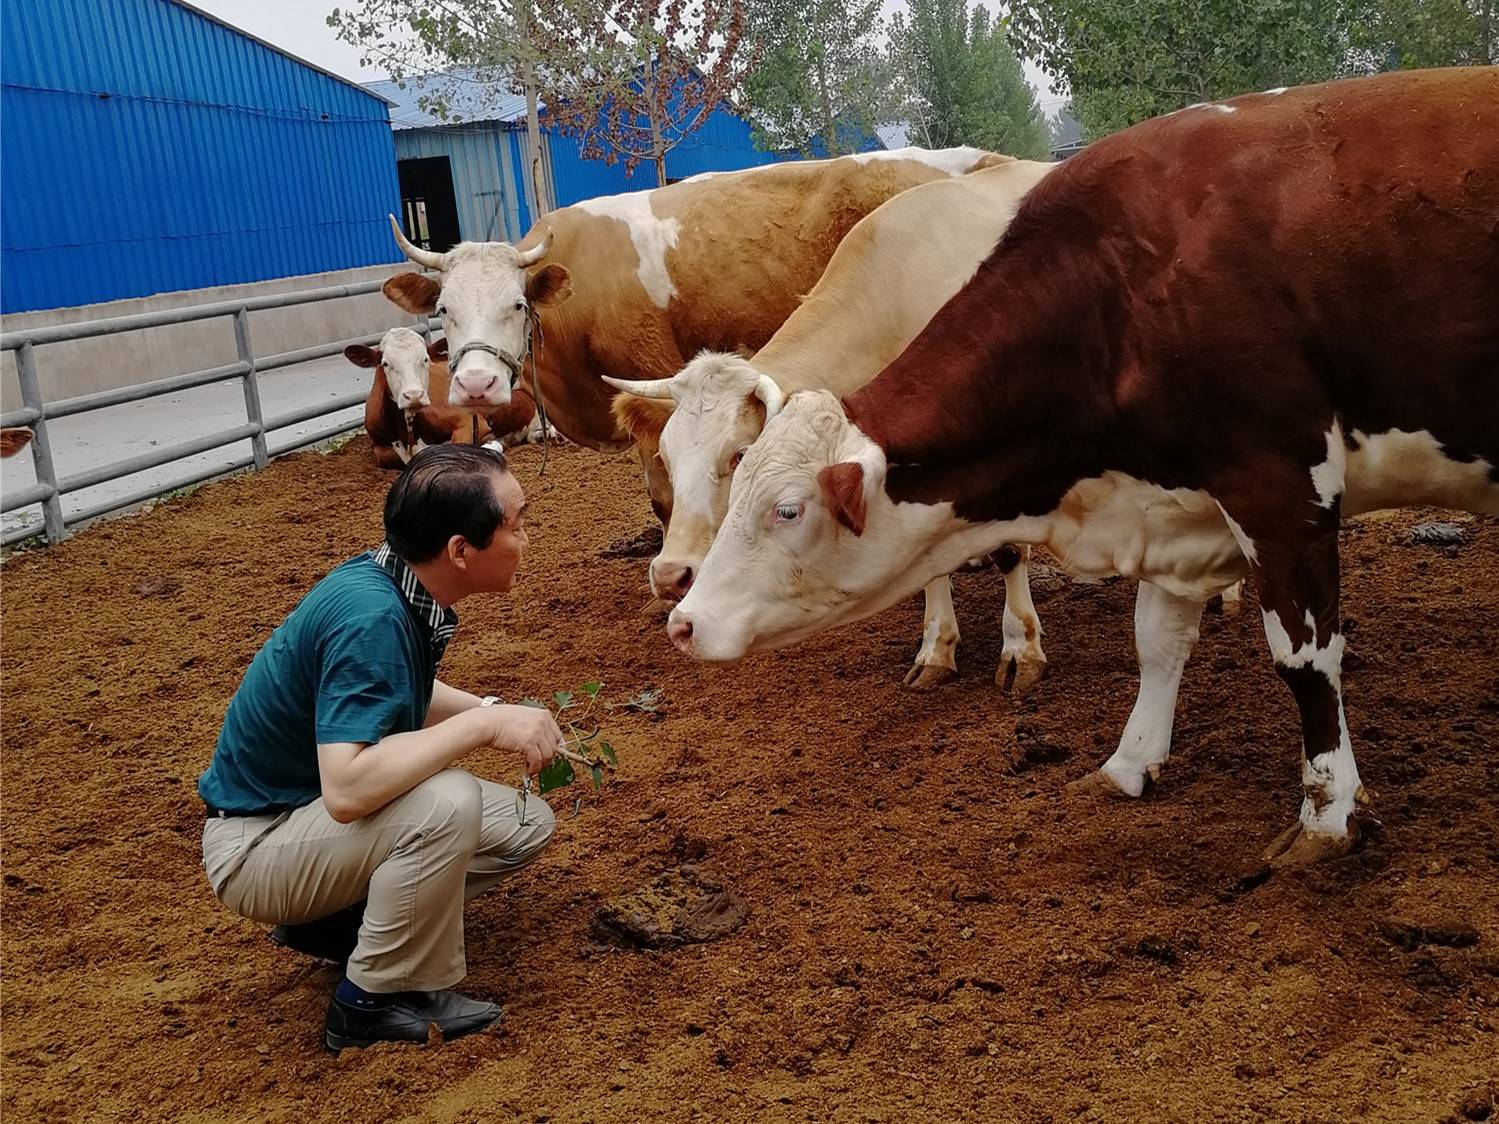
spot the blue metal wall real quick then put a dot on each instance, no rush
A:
(146, 148)
(722, 144)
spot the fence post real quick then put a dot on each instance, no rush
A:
(41, 448)
(251, 382)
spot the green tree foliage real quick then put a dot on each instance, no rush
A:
(629, 78)
(1417, 33)
(964, 80)
(821, 74)
(1125, 60)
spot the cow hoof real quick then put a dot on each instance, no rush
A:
(1097, 785)
(1018, 677)
(657, 609)
(926, 676)
(1296, 846)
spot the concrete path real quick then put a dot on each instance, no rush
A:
(101, 437)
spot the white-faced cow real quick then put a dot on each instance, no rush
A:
(399, 414)
(1201, 342)
(651, 278)
(896, 268)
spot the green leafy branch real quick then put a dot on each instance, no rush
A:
(582, 747)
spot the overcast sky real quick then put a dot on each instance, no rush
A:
(298, 26)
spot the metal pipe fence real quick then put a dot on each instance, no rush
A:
(36, 410)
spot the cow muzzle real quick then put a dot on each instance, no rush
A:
(671, 580)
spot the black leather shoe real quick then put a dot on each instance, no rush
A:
(328, 938)
(407, 1019)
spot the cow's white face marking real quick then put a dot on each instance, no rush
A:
(483, 300)
(403, 356)
(1328, 477)
(783, 568)
(651, 236)
(716, 418)
(1398, 468)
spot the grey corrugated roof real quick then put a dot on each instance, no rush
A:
(470, 99)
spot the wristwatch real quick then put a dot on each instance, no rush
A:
(491, 700)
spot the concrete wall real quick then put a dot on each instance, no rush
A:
(66, 370)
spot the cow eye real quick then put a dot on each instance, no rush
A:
(520, 306)
(735, 459)
(788, 512)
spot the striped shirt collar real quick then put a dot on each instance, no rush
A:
(442, 622)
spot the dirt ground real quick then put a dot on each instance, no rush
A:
(935, 932)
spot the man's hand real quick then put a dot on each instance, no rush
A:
(528, 730)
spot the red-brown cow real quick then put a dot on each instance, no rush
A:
(1201, 342)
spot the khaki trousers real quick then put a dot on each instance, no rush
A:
(415, 862)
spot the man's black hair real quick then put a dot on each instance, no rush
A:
(446, 490)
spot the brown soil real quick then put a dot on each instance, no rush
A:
(934, 933)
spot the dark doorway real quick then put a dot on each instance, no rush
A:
(429, 210)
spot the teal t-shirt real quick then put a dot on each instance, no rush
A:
(352, 663)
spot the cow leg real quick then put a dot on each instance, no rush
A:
(1294, 559)
(1233, 599)
(937, 661)
(1021, 661)
(1165, 631)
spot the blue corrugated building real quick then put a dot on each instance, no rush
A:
(147, 147)
(464, 176)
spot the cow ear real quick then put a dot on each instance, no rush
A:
(642, 418)
(437, 350)
(362, 356)
(843, 493)
(549, 285)
(413, 292)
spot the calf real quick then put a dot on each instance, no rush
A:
(399, 414)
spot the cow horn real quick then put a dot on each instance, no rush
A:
(536, 252)
(429, 258)
(645, 388)
(770, 393)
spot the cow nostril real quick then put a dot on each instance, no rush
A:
(684, 582)
(679, 632)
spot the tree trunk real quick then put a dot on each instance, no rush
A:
(829, 127)
(533, 124)
(653, 103)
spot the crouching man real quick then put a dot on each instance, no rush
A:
(334, 809)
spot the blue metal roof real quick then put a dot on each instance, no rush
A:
(470, 97)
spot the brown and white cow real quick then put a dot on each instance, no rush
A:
(399, 414)
(1201, 342)
(717, 261)
(889, 275)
